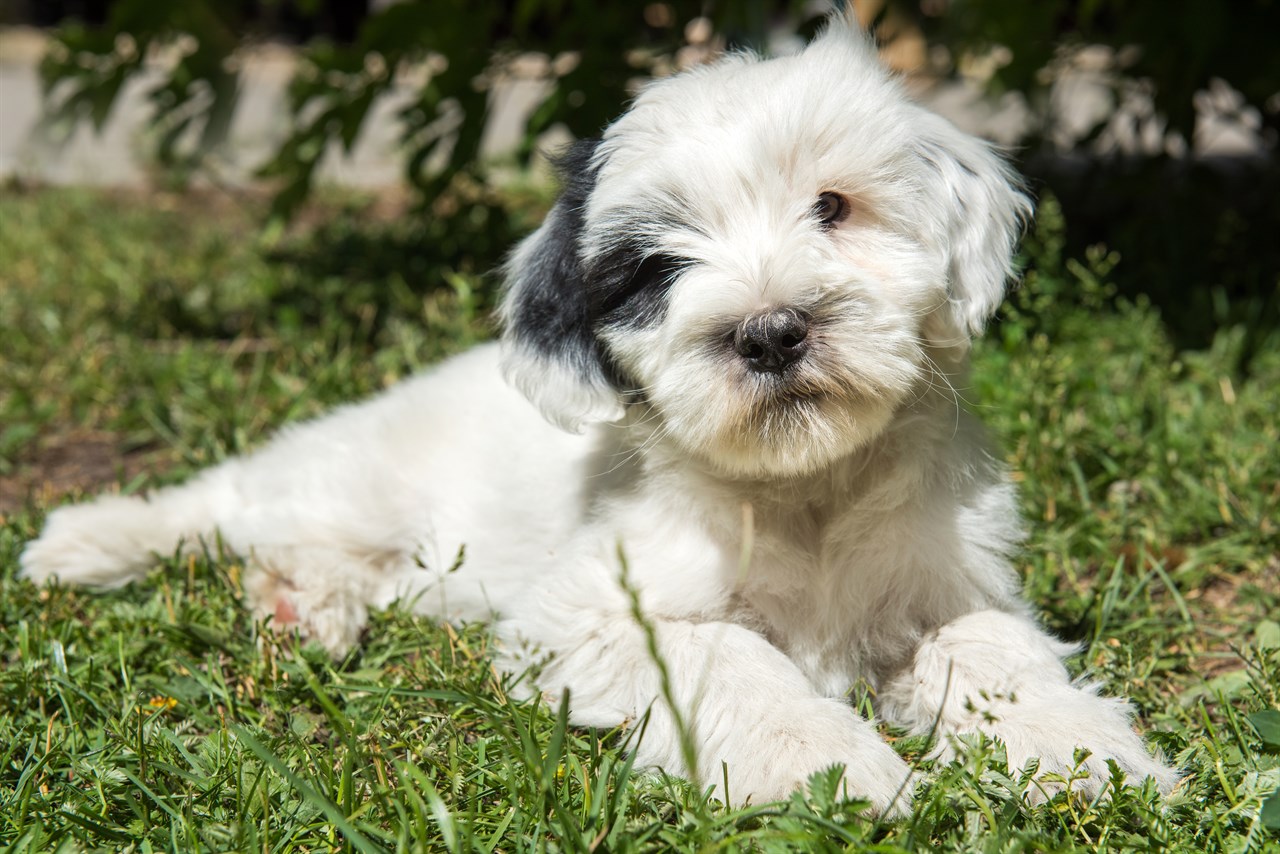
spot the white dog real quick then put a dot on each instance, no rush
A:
(745, 317)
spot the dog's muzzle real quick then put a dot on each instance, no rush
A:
(769, 342)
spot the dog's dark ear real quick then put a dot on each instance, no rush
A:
(982, 210)
(550, 352)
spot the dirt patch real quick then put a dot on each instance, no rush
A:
(78, 462)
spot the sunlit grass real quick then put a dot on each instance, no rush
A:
(160, 717)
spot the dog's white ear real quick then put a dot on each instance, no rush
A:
(982, 211)
(550, 352)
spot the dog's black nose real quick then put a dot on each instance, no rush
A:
(769, 342)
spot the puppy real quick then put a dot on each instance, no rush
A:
(743, 322)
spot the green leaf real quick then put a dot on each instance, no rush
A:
(1267, 723)
(1271, 811)
(1267, 635)
(1230, 684)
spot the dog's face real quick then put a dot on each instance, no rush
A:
(764, 254)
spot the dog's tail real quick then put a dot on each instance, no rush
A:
(114, 539)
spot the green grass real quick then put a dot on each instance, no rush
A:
(144, 337)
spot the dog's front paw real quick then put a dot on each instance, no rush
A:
(786, 749)
(1071, 737)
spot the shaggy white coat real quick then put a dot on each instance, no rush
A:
(786, 536)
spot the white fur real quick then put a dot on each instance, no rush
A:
(784, 536)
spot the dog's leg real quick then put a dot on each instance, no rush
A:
(743, 713)
(998, 673)
(109, 541)
(312, 562)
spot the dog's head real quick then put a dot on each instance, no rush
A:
(764, 254)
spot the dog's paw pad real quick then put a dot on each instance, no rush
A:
(284, 614)
(333, 622)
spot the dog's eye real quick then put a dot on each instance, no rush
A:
(831, 208)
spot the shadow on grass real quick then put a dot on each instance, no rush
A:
(1196, 237)
(351, 272)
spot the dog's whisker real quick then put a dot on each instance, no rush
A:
(636, 452)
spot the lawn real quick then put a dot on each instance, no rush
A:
(145, 336)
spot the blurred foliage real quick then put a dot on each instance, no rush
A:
(1196, 235)
(448, 53)
(1175, 48)
(452, 52)
(87, 67)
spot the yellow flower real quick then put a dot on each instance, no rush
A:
(161, 703)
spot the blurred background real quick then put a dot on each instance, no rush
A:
(357, 168)
(1153, 123)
